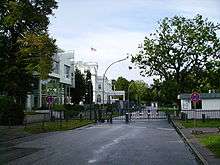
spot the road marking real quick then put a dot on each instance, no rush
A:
(166, 129)
(92, 161)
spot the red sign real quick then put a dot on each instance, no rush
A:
(195, 97)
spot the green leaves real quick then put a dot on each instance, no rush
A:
(37, 52)
(25, 43)
(179, 47)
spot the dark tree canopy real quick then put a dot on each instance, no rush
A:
(89, 88)
(25, 46)
(78, 93)
(180, 48)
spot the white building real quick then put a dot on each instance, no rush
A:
(97, 82)
(209, 104)
(58, 85)
(93, 68)
(108, 92)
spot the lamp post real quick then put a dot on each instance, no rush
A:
(103, 80)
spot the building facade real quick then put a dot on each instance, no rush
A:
(97, 82)
(208, 105)
(58, 84)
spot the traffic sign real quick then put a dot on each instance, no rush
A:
(195, 97)
(50, 99)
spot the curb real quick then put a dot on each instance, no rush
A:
(198, 156)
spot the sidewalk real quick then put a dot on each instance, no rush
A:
(14, 132)
(7, 137)
(202, 153)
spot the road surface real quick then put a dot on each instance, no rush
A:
(152, 142)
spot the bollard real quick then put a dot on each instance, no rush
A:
(80, 116)
(111, 117)
(203, 117)
(126, 118)
(168, 118)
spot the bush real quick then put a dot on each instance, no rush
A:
(73, 110)
(58, 107)
(10, 112)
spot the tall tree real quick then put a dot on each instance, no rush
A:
(78, 93)
(138, 91)
(89, 88)
(180, 47)
(121, 84)
(25, 45)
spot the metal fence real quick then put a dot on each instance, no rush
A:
(200, 114)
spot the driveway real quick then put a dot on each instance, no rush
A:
(151, 141)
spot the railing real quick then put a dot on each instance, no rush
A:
(200, 114)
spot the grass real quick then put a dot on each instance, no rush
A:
(199, 123)
(56, 126)
(212, 142)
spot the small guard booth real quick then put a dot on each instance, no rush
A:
(208, 105)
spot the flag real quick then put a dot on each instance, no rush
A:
(93, 49)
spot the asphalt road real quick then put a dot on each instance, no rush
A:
(152, 142)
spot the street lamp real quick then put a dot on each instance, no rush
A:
(103, 80)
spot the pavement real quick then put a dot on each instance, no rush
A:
(202, 153)
(152, 141)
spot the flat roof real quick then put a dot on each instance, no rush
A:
(187, 96)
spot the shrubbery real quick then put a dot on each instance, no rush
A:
(72, 111)
(58, 107)
(10, 112)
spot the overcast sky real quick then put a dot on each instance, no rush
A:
(116, 27)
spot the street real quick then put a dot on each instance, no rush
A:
(151, 142)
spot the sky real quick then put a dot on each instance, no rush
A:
(116, 27)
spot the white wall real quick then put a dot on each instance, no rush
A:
(185, 104)
(211, 104)
(65, 59)
(210, 107)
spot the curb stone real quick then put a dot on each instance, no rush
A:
(198, 156)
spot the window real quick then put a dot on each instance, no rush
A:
(56, 67)
(67, 71)
(99, 98)
(100, 86)
(197, 105)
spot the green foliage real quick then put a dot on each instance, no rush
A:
(10, 112)
(89, 88)
(181, 49)
(121, 84)
(58, 107)
(56, 126)
(73, 110)
(78, 93)
(199, 123)
(139, 91)
(25, 45)
(164, 92)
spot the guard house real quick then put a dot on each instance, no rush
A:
(208, 105)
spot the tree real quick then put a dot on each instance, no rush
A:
(180, 48)
(78, 93)
(138, 91)
(121, 84)
(25, 45)
(89, 88)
